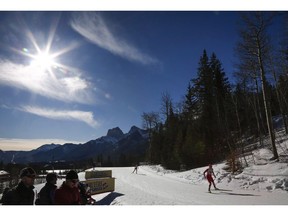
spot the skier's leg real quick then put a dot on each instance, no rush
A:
(209, 187)
(214, 185)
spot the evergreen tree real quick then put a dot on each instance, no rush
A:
(222, 103)
(156, 146)
(190, 104)
(203, 85)
(195, 135)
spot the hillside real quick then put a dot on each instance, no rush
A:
(114, 144)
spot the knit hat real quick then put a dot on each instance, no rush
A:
(27, 171)
(51, 176)
(71, 175)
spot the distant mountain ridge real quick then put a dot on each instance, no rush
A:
(113, 145)
(47, 147)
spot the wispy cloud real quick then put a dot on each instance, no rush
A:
(66, 87)
(92, 26)
(86, 117)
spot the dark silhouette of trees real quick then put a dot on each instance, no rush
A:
(254, 51)
(217, 120)
(199, 131)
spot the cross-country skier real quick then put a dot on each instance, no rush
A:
(135, 168)
(209, 177)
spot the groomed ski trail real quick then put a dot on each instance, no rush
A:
(149, 188)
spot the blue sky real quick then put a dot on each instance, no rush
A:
(71, 76)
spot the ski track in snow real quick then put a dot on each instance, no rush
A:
(152, 186)
(263, 182)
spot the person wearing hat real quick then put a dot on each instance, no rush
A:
(23, 193)
(46, 194)
(68, 193)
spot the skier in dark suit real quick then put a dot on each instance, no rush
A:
(135, 169)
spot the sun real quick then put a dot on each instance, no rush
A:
(43, 60)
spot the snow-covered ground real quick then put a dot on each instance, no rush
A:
(156, 186)
(262, 183)
(262, 188)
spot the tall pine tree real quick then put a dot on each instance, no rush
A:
(203, 85)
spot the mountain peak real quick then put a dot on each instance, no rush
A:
(115, 132)
(47, 147)
(133, 129)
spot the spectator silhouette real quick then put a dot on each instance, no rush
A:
(68, 193)
(23, 193)
(47, 193)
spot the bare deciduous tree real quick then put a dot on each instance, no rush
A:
(254, 48)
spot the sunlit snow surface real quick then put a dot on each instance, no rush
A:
(263, 183)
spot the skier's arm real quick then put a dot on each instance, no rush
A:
(214, 174)
(205, 172)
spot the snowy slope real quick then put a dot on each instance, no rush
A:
(260, 189)
(155, 186)
(262, 182)
(152, 187)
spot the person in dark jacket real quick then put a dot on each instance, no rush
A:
(82, 189)
(46, 194)
(23, 193)
(4, 193)
(85, 194)
(68, 193)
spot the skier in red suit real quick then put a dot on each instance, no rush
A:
(209, 177)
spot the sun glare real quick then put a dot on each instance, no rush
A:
(43, 60)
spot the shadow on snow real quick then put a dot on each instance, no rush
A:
(223, 192)
(108, 199)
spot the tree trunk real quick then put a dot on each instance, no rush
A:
(266, 105)
(259, 115)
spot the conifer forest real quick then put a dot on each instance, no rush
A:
(217, 117)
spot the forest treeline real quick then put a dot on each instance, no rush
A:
(215, 117)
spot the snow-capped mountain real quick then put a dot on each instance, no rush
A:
(114, 144)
